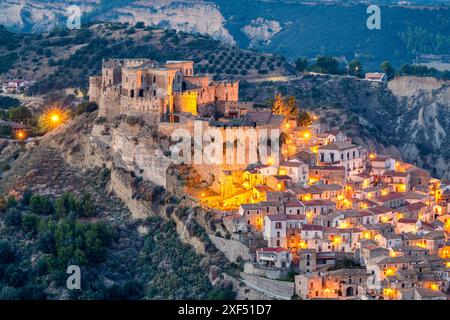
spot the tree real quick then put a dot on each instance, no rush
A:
(286, 106)
(326, 64)
(304, 119)
(5, 131)
(7, 252)
(20, 114)
(26, 197)
(388, 69)
(446, 75)
(41, 204)
(11, 202)
(278, 106)
(87, 205)
(355, 69)
(301, 64)
(13, 217)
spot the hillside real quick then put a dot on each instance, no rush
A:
(407, 118)
(62, 59)
(290, 28)
(71, 209)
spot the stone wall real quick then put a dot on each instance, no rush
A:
(231, 248)
(275, 289)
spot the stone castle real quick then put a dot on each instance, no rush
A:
(158, 92)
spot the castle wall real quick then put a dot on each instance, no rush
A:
(95, 87)
(185, 67)
(186, 101)
(227, 91)
(109, 102)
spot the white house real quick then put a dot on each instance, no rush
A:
(376, 77)
(297, 170)
(273, 257)
(275, 230)
(343, 154)
(381, 164)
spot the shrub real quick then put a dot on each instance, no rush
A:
(7, 252)
(41, 204)
(13, 217)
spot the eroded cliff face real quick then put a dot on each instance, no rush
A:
(260, 31)
(424, 123)
(186, 16)
(193, 16)
(38, 16)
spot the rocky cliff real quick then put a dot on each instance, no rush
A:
(193, 16)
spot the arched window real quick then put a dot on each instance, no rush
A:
(132, 93)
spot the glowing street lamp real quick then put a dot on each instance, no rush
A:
(21, 135)
(53, 118)
(389, 272)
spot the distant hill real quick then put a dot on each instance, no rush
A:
(310, 30)
(289, 27)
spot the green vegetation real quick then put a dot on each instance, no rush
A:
(7, 102)
(326, 64)
(44, 235)
(42, 59)
(340, 30)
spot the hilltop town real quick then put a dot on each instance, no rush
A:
(330, 219)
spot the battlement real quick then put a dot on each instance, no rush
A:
(141, 85)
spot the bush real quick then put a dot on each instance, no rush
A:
(221, 294)
(13, 217)
(41, 204)
(8, 102)
(86, 107)
(30, 222)
(26, 197)
(7, 252)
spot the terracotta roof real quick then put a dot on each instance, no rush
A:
(312, 227)
(407, 221)
(391, 196)
(251, 206)
(313, 203)
(294, 204)
(379, 210)
(413, 206)
(338, 146)
(334, 168)
(277, 217)
(277, 250)
(295, 217)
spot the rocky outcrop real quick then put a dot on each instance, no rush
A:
(409, 86)
(183, 15)
(260, 30)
